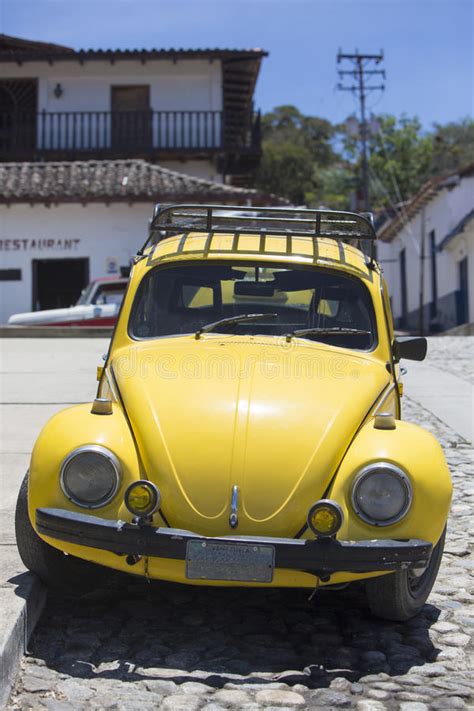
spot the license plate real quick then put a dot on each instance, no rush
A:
(242, 562)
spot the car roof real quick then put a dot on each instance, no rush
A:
(102, 280)
(320, 237)
(304, 250)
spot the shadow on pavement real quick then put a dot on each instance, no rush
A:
(136, 630)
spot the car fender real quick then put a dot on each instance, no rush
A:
(66, 431)
(420, 456)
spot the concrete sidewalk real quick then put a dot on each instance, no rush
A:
(38, 378)
(443, 383)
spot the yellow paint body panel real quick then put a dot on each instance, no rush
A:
(288, 423)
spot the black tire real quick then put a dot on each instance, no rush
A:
(400, 596)
(56, 569)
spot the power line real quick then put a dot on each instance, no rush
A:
(360, 72)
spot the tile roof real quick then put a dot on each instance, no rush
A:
(457, 230)
(18, 49)
(115, 181)
(19, 45)
(408, 210)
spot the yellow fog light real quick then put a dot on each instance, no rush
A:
(325, 518)
(142, 498)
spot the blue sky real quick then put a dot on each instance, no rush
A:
(428, 44)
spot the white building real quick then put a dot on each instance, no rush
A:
(427, 252)
(64, 224)
(188, 109)
(91, 140)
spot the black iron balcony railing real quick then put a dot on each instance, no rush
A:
(122, 132)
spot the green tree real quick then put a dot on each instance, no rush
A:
(286, 169)
(453, 145)
(312, 162)
(400, 156)
(337, 187)
(287, 124)
(295, 149)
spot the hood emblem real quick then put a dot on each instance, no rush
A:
(234, 507)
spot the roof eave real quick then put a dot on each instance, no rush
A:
(465, 225)
(81, 56)
(256, 199)
(426, 193)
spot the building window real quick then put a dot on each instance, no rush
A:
(10, 274)
(18, 98)
(131, 117)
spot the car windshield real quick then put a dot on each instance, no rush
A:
(85, 295)
(109, 294)
(183, 299)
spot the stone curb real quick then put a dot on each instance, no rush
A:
(21, 606)
(55, 332)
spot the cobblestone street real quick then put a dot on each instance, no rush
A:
(141, 646)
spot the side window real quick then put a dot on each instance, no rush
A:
(197, 297)
(109, 294)
(328, 307)
(340, 307)
(300, 299)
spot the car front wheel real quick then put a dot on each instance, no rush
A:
(56, 569)
(401, 595)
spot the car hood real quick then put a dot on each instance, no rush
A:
(272, 419)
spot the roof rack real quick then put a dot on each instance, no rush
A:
(290, 222)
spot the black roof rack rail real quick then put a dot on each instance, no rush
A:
(227, 219)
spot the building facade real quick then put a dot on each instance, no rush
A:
(63, 224)
(189, 110)
(427, 252)
(91, 140)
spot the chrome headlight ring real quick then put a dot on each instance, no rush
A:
(111, 491)
(371, 471)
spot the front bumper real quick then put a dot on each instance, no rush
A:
(318, 557)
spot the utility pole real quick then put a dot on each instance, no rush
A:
(359, 73)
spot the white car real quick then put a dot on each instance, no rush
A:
(98, 305)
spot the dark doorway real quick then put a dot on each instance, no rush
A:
(131, 118)
(403, 287)
(58, 282)
(434, 276)
(463, 293)
(18, 99)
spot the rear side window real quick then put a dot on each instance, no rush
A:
(181, 299)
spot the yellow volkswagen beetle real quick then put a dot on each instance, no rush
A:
(247, 428)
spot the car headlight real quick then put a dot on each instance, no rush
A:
(90, 476)
(381, 494)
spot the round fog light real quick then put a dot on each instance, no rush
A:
(142, 498)
(325, 518)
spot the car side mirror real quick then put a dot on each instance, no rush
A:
(410, 347)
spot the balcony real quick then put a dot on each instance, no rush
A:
(83, 135)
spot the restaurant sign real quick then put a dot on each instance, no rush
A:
(14, 245)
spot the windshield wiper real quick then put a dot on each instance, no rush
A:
(334, 331)
(229, 321)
